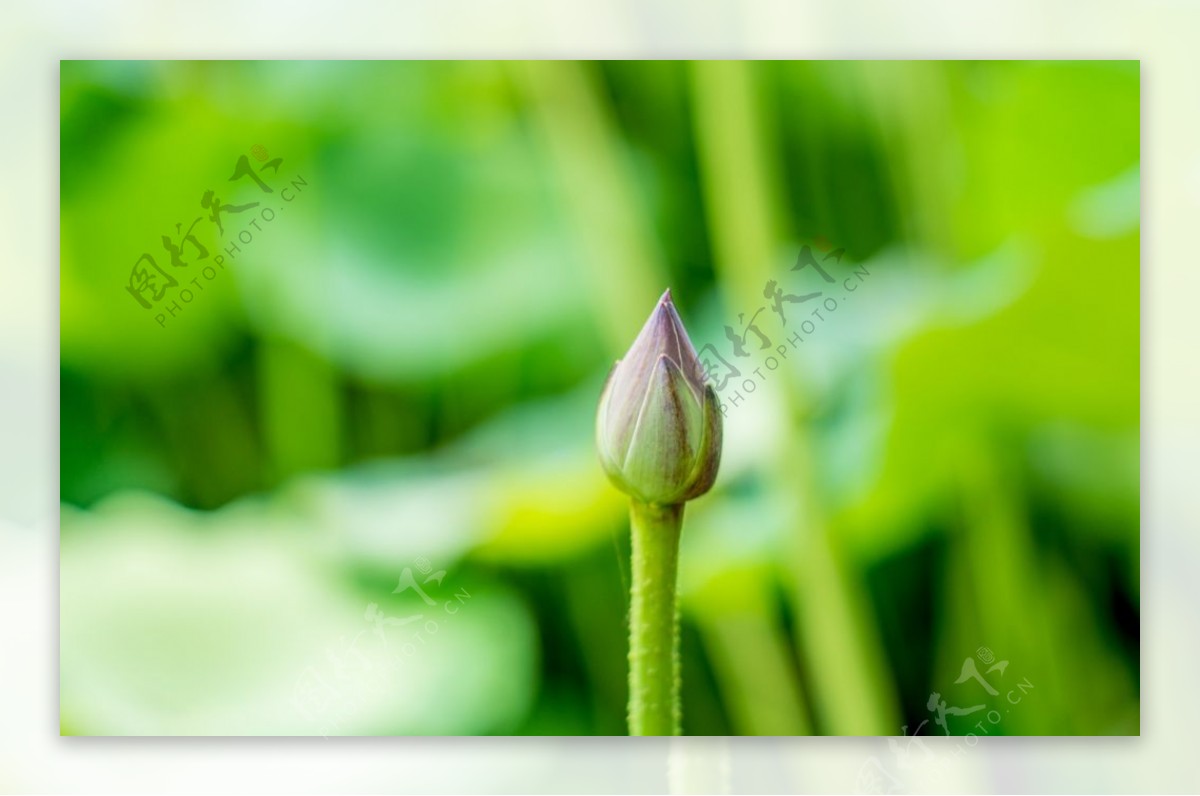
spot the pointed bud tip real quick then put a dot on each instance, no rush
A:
(666, 297)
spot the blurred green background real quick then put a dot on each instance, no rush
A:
(346, 484)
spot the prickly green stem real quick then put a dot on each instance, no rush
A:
(654, 621)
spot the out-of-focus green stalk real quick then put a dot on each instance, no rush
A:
(752, 656)
(597, 190)
(912, 108)
(839, 645)
(300, 435)
(654, 679)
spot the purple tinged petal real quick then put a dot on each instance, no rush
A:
(664, 444)
(611, 459)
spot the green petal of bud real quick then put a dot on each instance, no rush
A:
(705, 474)
(658, 428)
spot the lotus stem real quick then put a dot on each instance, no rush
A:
(654, 679)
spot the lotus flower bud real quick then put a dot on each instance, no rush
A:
(658, 429)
